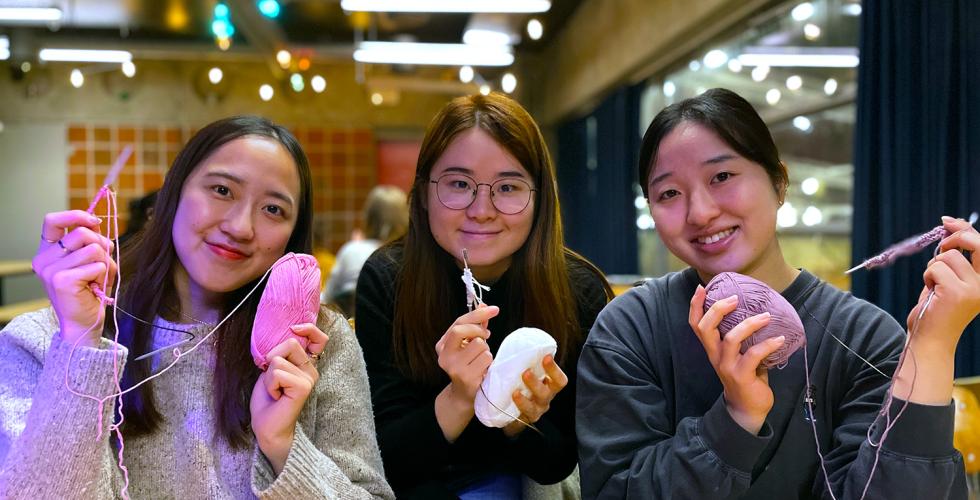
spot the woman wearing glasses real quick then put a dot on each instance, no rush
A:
(484, 184)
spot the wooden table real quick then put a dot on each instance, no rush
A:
(13, 268)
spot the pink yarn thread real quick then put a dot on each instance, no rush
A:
(113, 219)
(291, 297)
(756, 297)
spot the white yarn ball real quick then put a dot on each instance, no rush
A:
(524, 348)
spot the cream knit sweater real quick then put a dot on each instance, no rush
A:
(49, 449)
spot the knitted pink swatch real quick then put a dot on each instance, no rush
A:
(291, 297)
(756, 297)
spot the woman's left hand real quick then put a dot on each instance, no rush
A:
(281, 391)
(956, 281)
(542, 392)
(926, 377)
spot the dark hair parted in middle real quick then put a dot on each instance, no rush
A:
(429, 278)
(148, 291)
(726, 114)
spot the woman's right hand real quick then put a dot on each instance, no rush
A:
(71, 255)
(465, 356)
(748, 396)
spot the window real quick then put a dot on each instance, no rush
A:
(797, 64)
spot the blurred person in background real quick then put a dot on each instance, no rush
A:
(385, 219)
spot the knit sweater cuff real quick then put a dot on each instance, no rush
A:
(734, 445)
(89, 369)
(304, 475)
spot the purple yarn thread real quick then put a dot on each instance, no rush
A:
(756, 297)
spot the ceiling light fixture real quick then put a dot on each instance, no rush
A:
(269, 8)
(318, 83)
(77, 78)
(440, 54)
(78, 55)
(266, 92)
(486, 37)
(466, 74)
(535, 29)
(283, 57)
(715, 58)
(508, 83)
(801, 57)
(472, 6)
(4, 48)
(802, 12)
(830, 86)
(215, 75)
(29, 14)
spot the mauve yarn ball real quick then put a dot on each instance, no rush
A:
(756, 297)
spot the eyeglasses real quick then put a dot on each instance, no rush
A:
(457, 191)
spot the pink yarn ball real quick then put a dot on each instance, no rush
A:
(291, 297)
(756, 297)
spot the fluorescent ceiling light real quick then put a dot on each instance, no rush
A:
(4, 48)
(75, 55)
(501, 6)
(29, 14)
(442, 54)
(486, 37)
(816, 57)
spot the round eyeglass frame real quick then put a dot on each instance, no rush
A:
(476, 192)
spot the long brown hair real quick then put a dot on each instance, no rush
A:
(429, 278)
(147, 265)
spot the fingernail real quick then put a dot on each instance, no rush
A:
(779, 339)
(93, 220)
(733, 298)
(699, 287)
(947, 218)
(294, 328)
(765, 315)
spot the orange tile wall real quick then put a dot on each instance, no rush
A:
(342, 161)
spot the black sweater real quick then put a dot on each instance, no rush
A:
(652, 421)
(418, 460)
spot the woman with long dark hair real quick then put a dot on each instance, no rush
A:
(484, 184)
(669, 408)
(237, 198)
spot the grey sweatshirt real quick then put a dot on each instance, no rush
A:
(51, 447)
(652, 422)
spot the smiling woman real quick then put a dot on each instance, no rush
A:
(484, 184)
(236, 199)
(694, 416)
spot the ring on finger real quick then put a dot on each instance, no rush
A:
(314, 357)
(63, 247)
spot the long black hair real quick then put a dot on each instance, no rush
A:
(148, 268)
(731, 117)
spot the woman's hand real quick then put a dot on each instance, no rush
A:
(71, 256)
(542, 392)
(465, 356)
(282, 390)
(956, 282)
(748, 396)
